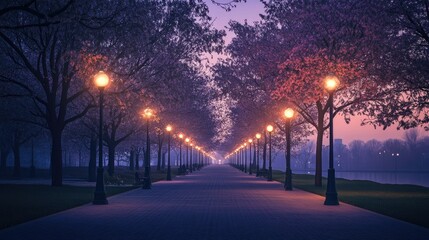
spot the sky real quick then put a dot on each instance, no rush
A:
(348, 132)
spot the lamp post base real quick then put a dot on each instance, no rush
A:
(331, 191)
(100, 193)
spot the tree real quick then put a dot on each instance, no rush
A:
(49, 57)
(5, 146)
(357, 150)
(329, 38)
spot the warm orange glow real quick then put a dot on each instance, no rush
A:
(169, 128)
(331, 83)
(250, 140)
(101, 79)
(270, 128)
(258, 135)
(289, 113)
(187, 140)
(147, 113)
(181, 136)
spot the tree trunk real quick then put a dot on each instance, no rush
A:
(3, 159)
(92, 160)
(264, 152)
(319, 146)
(137, 160)
(16, 160)
(163, 160)
(111, 157)
(254, 155)
(158, 166)
(132, 159)
(56, 158)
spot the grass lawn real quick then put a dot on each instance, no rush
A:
(22, 203)
(405, 202)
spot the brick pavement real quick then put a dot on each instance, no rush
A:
(216, 203)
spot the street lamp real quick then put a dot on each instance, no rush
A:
(331, 84)
(101, 80)
(147, 182)
(258, 136)
(250, 155)
(288, 113)
(242, 157)
(169, 128)
(180, 153)
(270, 128)
(187, 140)
(245, 157)
(191, 165)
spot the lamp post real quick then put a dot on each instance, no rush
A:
(190, 159)
(147, 182)
(245, 157)
(258, 136)
(264, 155)
(288, 113)
(270, 128)
(180, 153)
(242, 158)
(250, 155)
(169, 128)
(331, 84)
(197, 157)
(187, 140)
(101, 80)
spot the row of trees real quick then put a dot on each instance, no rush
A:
(151, 49)
(409, 153)
(377, 49)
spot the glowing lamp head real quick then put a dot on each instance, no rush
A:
(101, 79)
(289, 113)
(191, 144)
(169, 128)
(331, 83)
(187, 140)
(258, 136)
(250, 140)
(147, 113)
(270, 128)
(181, 136)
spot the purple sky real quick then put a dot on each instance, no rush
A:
(348, 132)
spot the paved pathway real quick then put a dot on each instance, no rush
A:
(218, 202)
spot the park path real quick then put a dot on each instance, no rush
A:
(218, 202)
